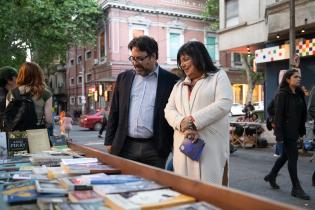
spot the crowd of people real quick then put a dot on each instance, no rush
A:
(153, 111)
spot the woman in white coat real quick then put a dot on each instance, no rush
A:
(204, 98)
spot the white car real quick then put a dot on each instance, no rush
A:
(236, 109)
(259, 105)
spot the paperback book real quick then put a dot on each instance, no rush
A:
(142, 185)
(89, 168)
(49, 186)
(152, 199)
(195, 206)
(84, 196)
(78, 161)
(20, 192)
(64, 204)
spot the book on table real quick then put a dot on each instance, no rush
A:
(49, 186)
(195, 206)
(20, 192)
(84, 196)
(152, 199)
(38, 140)
(64, 204)
(89, 168)
(141, 185)
(78, 161)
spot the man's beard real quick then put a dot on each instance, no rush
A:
(143, 71)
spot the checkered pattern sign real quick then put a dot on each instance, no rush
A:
(304, 47)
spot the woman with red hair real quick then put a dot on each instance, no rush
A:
(30, 80)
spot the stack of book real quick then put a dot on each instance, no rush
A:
(57, 180)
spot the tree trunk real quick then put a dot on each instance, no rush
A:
(250, 80)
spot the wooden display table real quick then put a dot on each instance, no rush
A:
(223, 197)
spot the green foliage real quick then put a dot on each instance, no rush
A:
(212, 11)
(46, 27)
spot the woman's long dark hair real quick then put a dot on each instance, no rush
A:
(199, 55)
(287, 75)
(284, 83)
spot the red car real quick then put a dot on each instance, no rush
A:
(92, 121)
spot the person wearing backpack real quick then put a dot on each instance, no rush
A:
(7, 82)
(34, 97)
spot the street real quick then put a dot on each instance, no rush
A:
(247, 169)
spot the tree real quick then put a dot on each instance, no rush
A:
(252, 77)
(46, 27)
(212, 12)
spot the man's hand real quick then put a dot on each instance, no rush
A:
(109, 148)
(184, 125)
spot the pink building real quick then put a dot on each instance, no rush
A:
(170, 22)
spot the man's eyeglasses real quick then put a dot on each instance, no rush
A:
(137, 59)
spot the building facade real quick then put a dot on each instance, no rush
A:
(261, 28)
(91, 72)
(242, 31)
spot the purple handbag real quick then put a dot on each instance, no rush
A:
(192, 150)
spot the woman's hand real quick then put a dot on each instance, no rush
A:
(185, 123)
(191, 134)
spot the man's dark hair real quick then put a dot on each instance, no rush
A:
(146, 44)
(6, 73)
(199, 55)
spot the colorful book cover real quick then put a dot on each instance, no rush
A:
(152, 199)
(17, 142)
(113, 179)
(142, 185)
(90, 168)
(20, 192)
(84, 196)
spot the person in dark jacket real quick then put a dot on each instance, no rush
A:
(7, 82)
(290, 118)
(136, 128)
(311, 111)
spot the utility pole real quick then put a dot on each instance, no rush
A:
(292, 33)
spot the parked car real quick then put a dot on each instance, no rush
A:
(92, 121)
(236, 109)
(259, 105)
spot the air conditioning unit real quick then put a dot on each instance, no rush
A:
(96, 61)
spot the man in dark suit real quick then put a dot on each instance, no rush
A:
(137, 129)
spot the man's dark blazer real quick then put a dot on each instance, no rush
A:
(117, 127)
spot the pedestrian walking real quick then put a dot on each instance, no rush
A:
(136, 128)
(198, 107)
(66, 125)
(104, 123)
(290, 118)
(311, 111)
